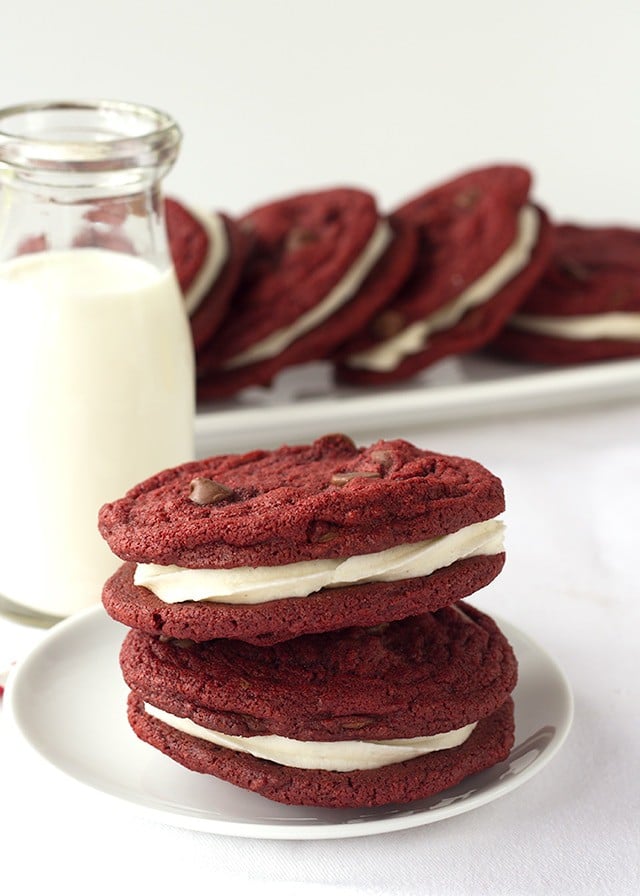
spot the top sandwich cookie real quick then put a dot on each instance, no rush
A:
(482, 245)
(586, 307)
(268, 545)
(208, 252)
(321, 263)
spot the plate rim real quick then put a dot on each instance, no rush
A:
(286, 830)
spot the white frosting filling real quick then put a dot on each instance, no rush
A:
(337, 756)
(388, 354)
(276, 342)
(214, 260)
(611, 325)
(253, 585)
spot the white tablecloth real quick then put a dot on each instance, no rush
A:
(572, 479)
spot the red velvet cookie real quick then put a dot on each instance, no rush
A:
(277, 620)
(403, 782)
(424, 676)
(320, 265)
(302, 502)
(482, 246)
(328, 501)
(208, 251)
(593, 280)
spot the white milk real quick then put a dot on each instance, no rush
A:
(96, 372)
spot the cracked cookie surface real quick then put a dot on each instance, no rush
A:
(328, 499)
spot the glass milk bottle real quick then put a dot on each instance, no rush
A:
(96, 361)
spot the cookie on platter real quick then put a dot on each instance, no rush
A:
(586, 306)
(482, 245)
(208, 251)
(321, 263)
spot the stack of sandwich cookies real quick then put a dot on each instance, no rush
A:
(296, 620)
(208, 252)
(320, 264)
(586, 306)
(482, 245)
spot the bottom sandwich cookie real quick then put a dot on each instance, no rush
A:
(357, 717)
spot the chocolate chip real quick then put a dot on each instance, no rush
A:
(382, 457)
(575, 269)
(353, 723)
(322, 532)
(300, 236)
(619, 298)
(388, 324)
(466, 198)
(331, 535)
(207, 491)
(247, 226)
(343, 478)
(340, 440)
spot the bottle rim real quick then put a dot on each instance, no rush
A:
(87, 135)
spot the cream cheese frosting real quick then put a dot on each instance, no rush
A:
(276, 342)
(387, 355)
(609, 325)
(253, 585)
(214, 260)
(338, 756)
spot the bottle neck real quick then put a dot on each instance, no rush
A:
(37, 218)
(74, 175)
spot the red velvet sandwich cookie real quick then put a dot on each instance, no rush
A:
(359, 717)
(287, 617)
(320, 265)
(208, 251)
(586, 307)
(482, 246)
(271, 544)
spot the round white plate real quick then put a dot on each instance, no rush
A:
(67, 701)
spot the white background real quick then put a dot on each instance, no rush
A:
(278, 95)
